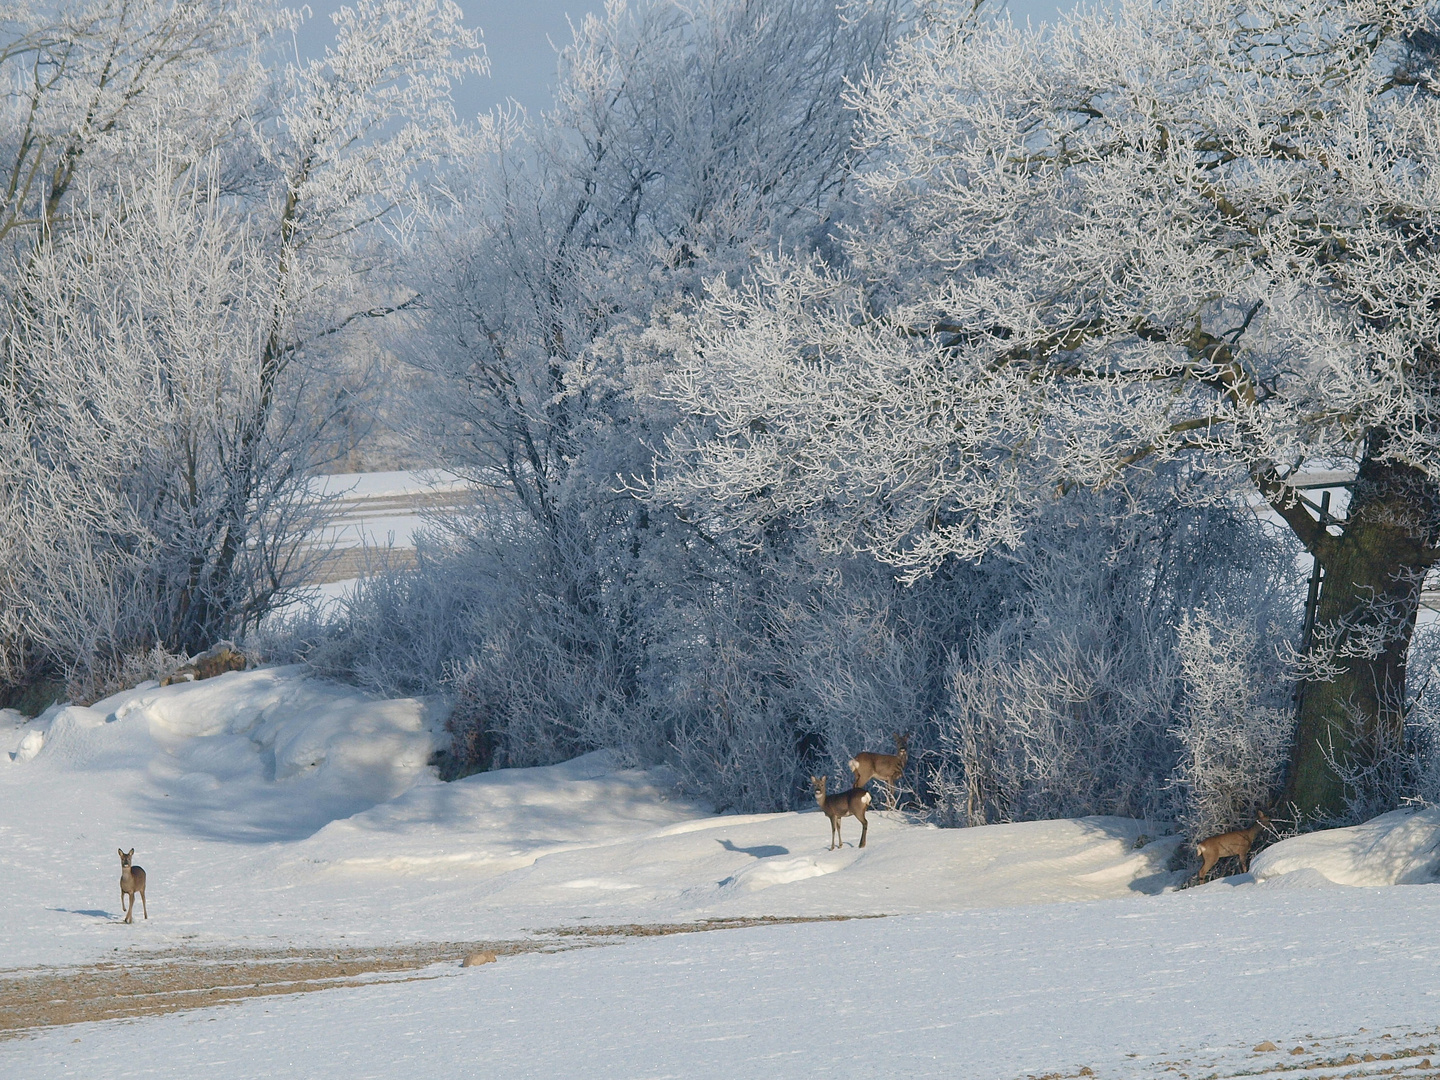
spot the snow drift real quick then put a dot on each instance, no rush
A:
(1398, 848)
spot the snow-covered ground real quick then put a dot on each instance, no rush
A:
(378, 509)
(373, 519)
(269, 809)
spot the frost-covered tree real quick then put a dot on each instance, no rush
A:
(180, 306)
(85, 81)
(1107, 681)
(85, 84)
(1234, 728)
(683, 140)
(1200, 232)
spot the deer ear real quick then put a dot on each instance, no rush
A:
(131, 852)
(121, 851)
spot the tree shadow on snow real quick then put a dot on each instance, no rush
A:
(764, 851)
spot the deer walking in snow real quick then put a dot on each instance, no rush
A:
(886, 767)
(836, 806)
(1214, 848)
(132, 881)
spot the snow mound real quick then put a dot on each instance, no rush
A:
(12, 724)
(270, 753)
(75, 736)
(766, 872)
(495, 822)
(298, 724)
(1398, 848)
(29, 746)
(1308, 878)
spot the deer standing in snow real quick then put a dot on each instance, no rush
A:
(1214, 848)
(886, 767)
(132, 881)
(836, 806)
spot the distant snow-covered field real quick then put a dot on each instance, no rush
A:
(273, 810)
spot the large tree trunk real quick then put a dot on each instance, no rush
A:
(1365, 619)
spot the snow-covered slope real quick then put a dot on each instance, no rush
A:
(267, 806)
(272, 809)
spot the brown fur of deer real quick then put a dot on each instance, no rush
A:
(132, 881)
(216, 660)
(1214, 848)
(886, 767)
(852, 802)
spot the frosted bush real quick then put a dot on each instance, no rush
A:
(122, 673)
(1069, 705)
(1234, 727)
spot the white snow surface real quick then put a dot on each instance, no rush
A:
(269, 808)
(371, 485)
(1399, 848)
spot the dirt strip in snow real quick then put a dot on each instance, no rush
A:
(174, 980)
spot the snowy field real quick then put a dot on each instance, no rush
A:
(273, 811)
(383, 509)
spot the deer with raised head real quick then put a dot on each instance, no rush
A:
(1214, 848)
(132, 881)
(852, 802)
(886, 767)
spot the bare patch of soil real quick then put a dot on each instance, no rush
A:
(663, 929)
(174, 980)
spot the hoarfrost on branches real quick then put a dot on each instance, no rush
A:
(1198, 232)
(198, 231)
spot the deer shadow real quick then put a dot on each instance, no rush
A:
(764, 851)
(76, 911)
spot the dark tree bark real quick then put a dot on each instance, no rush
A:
(1374, 569)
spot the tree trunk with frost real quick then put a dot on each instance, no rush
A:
(1352, 700)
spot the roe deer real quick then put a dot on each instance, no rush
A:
(886, 767)
(132, 881)
(837, 806)
(1214, 848)
(216, 660)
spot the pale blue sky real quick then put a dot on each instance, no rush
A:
(520, 36)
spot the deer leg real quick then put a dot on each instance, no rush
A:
(864, 828)
(143, 905)
(1204, 870)
(131, 910)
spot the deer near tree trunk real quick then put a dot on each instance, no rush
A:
(1214, 848)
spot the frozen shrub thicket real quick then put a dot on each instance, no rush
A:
(1074, 702)
(1235, 725)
